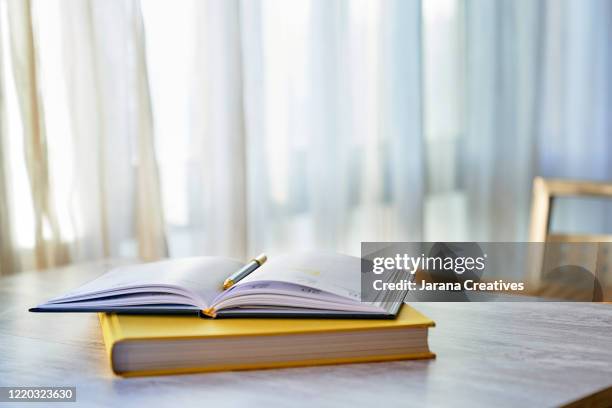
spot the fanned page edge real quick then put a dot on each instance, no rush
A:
(57, 304)
(350, 307)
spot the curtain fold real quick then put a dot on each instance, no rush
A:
(89, 135)
(499, 157)
(219, 132)
(49, 249)
(116, 195)
(149, 213)
(8, 261)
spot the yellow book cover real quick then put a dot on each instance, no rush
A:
(152, 345)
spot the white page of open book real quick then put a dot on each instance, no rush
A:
(329, 272)
(202, 276)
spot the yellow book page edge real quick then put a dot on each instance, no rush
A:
(273, 365)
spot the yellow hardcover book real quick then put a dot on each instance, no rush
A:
(155, 345)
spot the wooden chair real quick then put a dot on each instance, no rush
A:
(545, 191)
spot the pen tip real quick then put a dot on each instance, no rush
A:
(228, 284)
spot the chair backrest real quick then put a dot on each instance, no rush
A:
(545, 191)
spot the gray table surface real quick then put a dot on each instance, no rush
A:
(488, 354)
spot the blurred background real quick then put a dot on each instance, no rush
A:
(154, 128)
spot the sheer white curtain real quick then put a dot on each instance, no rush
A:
(149, 128)
(196, 75)
(286, 125)
(333, 121)
(575, 115)
(113, 199)
(524, 89)
(81, 176)
(500, 150)
(213, 127)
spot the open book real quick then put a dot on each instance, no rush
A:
(314, 284)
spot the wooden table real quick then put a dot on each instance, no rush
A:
(489, 354)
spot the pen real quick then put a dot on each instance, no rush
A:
(244, 271)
